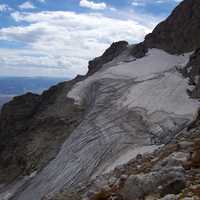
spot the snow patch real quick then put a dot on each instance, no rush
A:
(163, 94)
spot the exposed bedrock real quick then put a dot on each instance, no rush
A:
(192, 71)
(32, 129)
(179, 33)
(112, 52)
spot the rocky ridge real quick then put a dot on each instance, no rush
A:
(179, 33)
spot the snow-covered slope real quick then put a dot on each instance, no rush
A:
(131, 104)
(157, 84)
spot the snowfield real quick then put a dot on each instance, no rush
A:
(158, 84)
(132, 107)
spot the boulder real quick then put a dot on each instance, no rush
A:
(165, 181)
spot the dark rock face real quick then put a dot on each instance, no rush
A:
(192, 71)
(180, 32)
(139, 50)
(24, 108)
(33, 127)
(113, 51)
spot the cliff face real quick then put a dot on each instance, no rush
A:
(112, 52)
(192, 71)
(33, 127)
(180, 32)
(132, 99)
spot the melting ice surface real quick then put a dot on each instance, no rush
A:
(159, 85)
(131, 105)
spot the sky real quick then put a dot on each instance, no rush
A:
(57, 38)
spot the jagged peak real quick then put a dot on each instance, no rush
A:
(179, 33)
(113, 51)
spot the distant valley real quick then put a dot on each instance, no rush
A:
(13, 86)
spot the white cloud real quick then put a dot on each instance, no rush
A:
(61, 43)
(93, 5)
(168, 1)
(26, 5)
(137, 3)
(4, 8)
(42, 1)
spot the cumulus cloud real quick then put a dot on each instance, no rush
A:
(93, 5)
(137, 3)
(168, 1)
(4, 8)
(42, 1)
(26, 5)
(58, 43)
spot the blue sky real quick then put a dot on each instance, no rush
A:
(58, 37)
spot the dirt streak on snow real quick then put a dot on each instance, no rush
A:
(129, 155)
(160, 87)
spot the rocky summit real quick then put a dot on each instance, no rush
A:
(179, 33)
(127, 130)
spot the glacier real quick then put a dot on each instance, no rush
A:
(132, 104)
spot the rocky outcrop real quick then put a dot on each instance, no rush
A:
(179, 33)
(32, 129)
(112, 52)
(192, 71)
(24, 108)
(139, 50)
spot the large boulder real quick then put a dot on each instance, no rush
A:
(165, 181)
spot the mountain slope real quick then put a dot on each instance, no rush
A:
(133, 99)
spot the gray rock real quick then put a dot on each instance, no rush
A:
(169, 197)
(133, 188)
(185, 145)
(192, 71)
(166, 181)
(173, 160)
